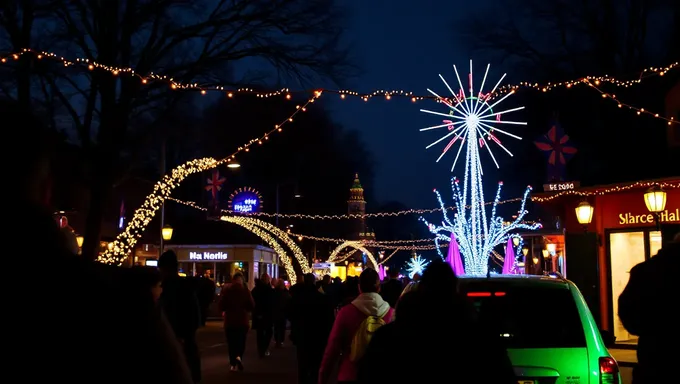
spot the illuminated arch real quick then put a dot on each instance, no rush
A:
(277, 232)
(269, 239)
(358, 245)
(126, 240)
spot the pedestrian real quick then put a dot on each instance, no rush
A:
(97, 315)
(353, 328)
(180, 304)
(646, 309)
(281, 305)
(311, 318)
(391, 290)
(263, 314)
(236, 304)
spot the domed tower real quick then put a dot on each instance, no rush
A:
(356, 205)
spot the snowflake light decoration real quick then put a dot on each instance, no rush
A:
(416, 265)
(471, 120)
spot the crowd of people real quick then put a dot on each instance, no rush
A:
(87, 322)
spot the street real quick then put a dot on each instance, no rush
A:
(279, 368)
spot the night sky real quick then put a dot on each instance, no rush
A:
(402, 46)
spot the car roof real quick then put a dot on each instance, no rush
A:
(515, 281)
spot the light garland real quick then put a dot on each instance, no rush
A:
(269, 239)
(357, 245)
(278, 232)
(471, 119)
(126, 240)
(639, 111)
(386, 94)
(607, 190)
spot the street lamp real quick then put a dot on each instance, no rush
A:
(584, 214)
(166, 232)
(515, 241)
(80, 240)
(655, 200)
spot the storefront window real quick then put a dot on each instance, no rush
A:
(654, 242)
(627, 249)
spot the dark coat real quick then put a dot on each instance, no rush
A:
(265, 298)
(646, 309)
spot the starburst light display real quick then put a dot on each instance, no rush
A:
(472, 121)
(416, 265)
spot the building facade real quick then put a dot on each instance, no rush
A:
(621, 234)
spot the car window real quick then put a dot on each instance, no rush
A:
(535, 317)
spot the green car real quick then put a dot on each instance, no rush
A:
(546, 326)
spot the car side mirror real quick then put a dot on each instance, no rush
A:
(608, 338)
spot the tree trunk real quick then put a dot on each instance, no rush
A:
(100, 189)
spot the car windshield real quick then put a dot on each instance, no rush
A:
(529, 317)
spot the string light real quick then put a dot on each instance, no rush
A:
(126, 240)
(276, 231)
(608, 190)
(639, 111)
(343, 93)
(269, 239)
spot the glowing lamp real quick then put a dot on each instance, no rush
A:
(166, 232)
(535, 260)
(655, 199)
(515, 241)
(525, 251)
(584, 213)
(552, 248)
(233, 165)
(80, 240)
(546, 253)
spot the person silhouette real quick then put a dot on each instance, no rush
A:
(646, 309)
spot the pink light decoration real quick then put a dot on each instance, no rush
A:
(509, 262)
(453, 257)
(381, 272)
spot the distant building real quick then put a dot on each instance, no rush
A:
(356, 205)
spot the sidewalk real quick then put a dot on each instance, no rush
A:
(625, 357)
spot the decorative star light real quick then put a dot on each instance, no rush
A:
(416, 265)
(471, 120)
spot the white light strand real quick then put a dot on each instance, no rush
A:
(333, 258)
(416, 265)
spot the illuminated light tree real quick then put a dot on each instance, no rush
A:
(416, 265)
(472, 121)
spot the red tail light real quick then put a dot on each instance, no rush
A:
(609, 371)
(484, 294)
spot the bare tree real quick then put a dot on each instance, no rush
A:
(190, 41)
(563, 38)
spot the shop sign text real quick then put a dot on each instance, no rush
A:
(665, 217)
(564, 186)
(207, 256)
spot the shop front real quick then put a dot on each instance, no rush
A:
(609, 230)
(220, 262)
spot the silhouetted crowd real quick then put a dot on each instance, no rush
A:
(80, 321)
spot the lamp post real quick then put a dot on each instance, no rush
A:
(166, 235)
(655, 200)
(80, 240)
(584, 214)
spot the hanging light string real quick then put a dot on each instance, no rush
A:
(639, 111)
(538, 199)
(343, 93)
(126, 240)
(607, 190)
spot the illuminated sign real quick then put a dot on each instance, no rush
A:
(207, 256)
(245, 200)
(648, 218)
(564, 186)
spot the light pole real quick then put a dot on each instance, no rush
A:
(655, 200)
(166, 235)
